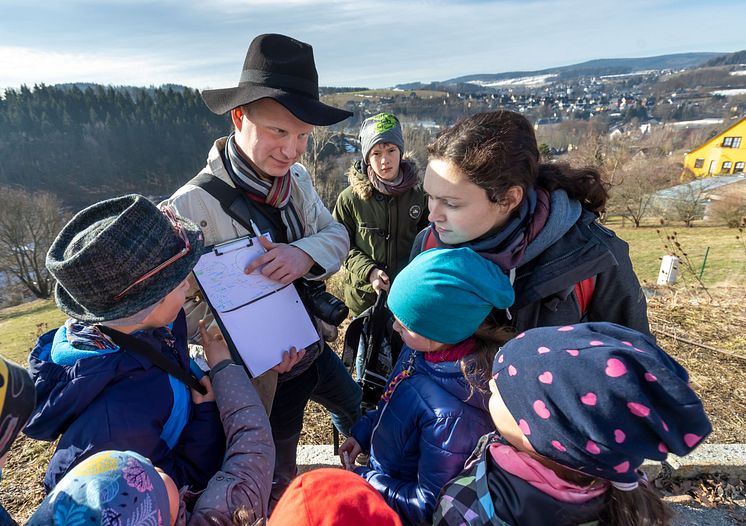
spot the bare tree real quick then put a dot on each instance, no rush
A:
(689, 203)
(730, 209)
(321, 138)
(416, 139)
(633, 196)
(29, 223)
(607, 156)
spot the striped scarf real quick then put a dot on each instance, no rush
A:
(275, 193)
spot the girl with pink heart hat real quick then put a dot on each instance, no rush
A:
(578, 409)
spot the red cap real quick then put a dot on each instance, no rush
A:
(331, 497)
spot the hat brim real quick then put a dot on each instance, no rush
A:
(144, 294)
(307, 109)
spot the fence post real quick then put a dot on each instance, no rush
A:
(704, 262)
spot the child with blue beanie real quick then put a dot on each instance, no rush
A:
(120, 267)
(577, 409)
(434, 408)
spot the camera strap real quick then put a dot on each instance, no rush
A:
(239, 207)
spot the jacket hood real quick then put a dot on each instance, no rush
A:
(359, 182)
(449, 377)
(59, 396)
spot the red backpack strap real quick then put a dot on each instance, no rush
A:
(430, 241)
(584, 293)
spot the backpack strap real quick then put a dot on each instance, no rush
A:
(430, 241)
(133, 345)
(584, 294)
(583, 289)
(351, 342)
(376, 329)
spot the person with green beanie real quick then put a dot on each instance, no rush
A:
(435, 406)
(383, 209)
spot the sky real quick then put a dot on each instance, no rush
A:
(362, 43)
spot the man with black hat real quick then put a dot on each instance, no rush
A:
(255, 171)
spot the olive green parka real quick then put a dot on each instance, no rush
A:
(381, 228)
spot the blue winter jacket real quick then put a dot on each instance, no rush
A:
(117, 400)
(421, 438)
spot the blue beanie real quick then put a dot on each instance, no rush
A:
(445, 294)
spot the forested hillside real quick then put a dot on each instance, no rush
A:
(83, 145)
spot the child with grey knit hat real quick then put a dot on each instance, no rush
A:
(121, 267)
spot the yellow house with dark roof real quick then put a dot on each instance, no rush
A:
(722, 155)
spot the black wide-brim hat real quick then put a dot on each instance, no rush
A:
(107, 247)
(283, 69)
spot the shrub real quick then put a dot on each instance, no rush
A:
(729, 210)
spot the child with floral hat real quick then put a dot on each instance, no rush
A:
(577, 409)
(434, 408)
(121, 267)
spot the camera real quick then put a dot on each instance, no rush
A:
(321, 303)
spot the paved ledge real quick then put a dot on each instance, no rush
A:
(729, 459)
(708, 458)
(314, 457)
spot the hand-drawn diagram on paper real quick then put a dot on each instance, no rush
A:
(222, 277)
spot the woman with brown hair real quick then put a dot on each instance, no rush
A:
(487, 190)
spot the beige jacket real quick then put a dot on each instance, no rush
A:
(325, 240)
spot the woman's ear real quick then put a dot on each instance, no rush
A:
(512, 198)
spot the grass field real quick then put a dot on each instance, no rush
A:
(20, 325)
(726, 260)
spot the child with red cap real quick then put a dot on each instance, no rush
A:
(326, 497)
(577, 410)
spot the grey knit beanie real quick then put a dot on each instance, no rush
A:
(110, 245)
(383, 127)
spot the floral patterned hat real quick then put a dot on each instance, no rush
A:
(108, 488)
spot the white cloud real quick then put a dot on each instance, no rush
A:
(30, 66)
(372, 43)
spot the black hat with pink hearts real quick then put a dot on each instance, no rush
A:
(599, 398)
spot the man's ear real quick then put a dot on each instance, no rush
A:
(237, 118)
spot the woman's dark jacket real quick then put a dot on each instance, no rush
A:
(544, 286)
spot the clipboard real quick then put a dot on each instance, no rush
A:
(259, 318)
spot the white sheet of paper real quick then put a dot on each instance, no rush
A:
(263, 318)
